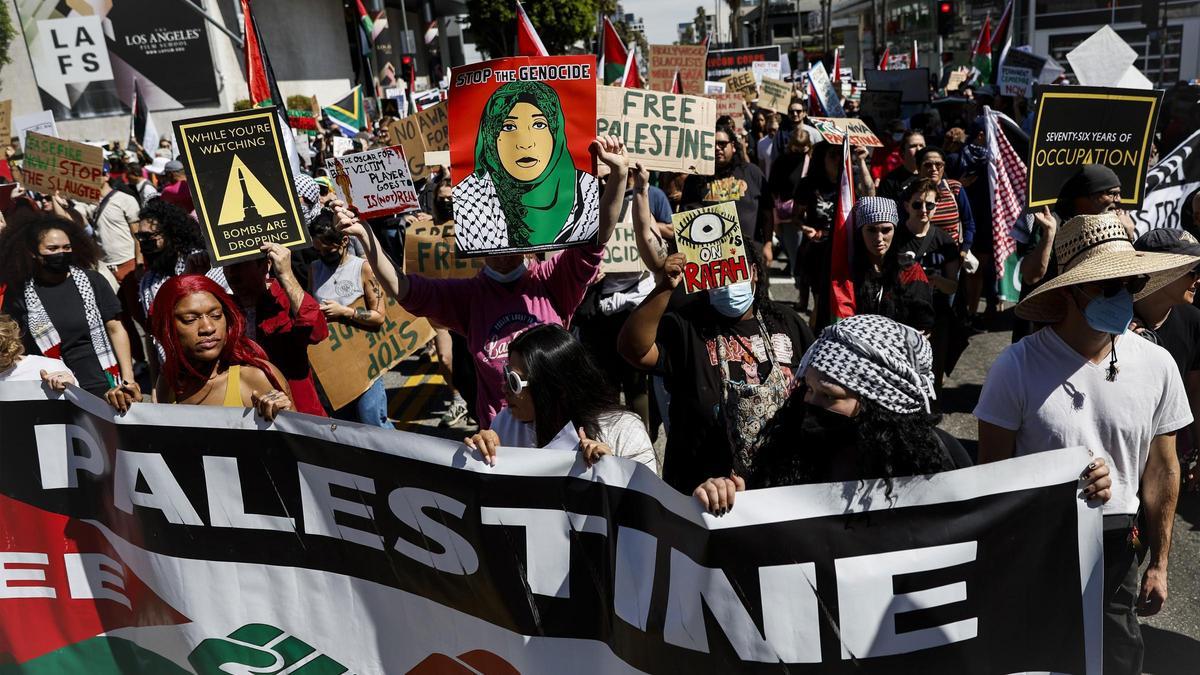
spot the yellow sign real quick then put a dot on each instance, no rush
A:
(711, 240)
(240, 187)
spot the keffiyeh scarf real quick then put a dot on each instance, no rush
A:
(48, 340)
(877, 358)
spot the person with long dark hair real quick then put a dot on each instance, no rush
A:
(862, 413)
(171, 245)
(65, 308)
(558, 398)
(734, 180)
(883, 284)
(209, 359)
(727, 360)
(814, 203)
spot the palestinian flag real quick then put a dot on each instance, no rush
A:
(837, 65)
(528, 41)
(883, 61)
(982, 54)
(632, 78)
(841, 282)
(1001, 39)
(141, 126)
(676, 83)
(612, 55)
(349, 113)
(260, 79)
(367, 24)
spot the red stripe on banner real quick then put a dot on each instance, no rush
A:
(64, 584)
(841, 296)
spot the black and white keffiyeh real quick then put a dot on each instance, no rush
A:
(46, 336)
(876, 210)
(877, 358)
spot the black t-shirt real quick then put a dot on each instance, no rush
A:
(698, 447)
(892, 185)
(933, 250)
(743, 184)
(1180, 335)
(818, 200)
(65, 307)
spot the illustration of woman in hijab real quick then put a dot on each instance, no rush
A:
(525, 192)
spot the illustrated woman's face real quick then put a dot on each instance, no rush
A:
(525, 142)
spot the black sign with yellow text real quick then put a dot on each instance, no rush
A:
(1090, 125)
(241, 183)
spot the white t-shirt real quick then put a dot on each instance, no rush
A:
(1055, 398)
(622, 431)
(30, 368)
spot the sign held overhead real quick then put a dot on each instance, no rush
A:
(665, 132)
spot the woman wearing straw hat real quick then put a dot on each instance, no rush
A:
(1065, 385)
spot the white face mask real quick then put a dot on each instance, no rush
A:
(507, 277)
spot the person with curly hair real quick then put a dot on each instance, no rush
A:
(209, 358)
(524, 176)
(15, 366)
(171, 245)
(65, 308)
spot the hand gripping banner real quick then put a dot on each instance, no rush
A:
(185, 539)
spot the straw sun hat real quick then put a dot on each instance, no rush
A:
(1095, 248)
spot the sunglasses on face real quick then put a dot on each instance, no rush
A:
(514, 382)
(923, 206)
(1111, 287)
(723, 144)
(934, 165)
(796, 112)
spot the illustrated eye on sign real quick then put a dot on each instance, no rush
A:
(705, 228)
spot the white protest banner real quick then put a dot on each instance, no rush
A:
(1168, 185)
(41, 122)
(714, 87)
(826, 94)
(665, 132)
(833, 129)
(774, 95)
(1015, 81)
(377, 183)
(763, 69)
(201, 540)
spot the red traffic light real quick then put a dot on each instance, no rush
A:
(406, 59)
(945, 8)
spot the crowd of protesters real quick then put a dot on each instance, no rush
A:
(121, 299)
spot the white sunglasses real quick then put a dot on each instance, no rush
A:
(515, 384)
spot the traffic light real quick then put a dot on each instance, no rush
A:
(946, 15)
(408, 70)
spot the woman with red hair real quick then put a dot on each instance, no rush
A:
(209, 359)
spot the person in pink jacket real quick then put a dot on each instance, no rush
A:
(512, 293)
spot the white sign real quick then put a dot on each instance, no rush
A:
(763, 69)
(827, 95)
(711, 87)
(342, 145)
(70, 51)
(1015, 81)
(376, 183)
(38, 122)
(1105, 60)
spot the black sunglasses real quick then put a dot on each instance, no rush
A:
(1111, 287)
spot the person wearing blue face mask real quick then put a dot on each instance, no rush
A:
(1087, 380)
(727, 363)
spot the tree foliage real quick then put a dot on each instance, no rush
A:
(560, 23)
(8, 33)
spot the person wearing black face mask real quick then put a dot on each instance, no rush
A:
(171, 245)
(65, 309)
(861, 412)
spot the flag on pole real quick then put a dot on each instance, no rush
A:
(676, 83)
(141, 125)
(367, 24)
(1006, 175)
(814, 102)
(349, 113)
(528, 42)
(260, 80)
(883, 62)
(837, 65)
(632, 78)
(705, 42)
(841, 280)
(612, 54)
(1001, 39)
(982, 54)
(912, 60)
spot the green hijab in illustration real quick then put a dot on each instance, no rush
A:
(522, 146)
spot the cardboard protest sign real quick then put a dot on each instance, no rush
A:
(1090, 125)
(41, 122)
(714, 87)
(729, 103)
(878, 108)
(711, 240)
(432, 252)
(687, 59)
(6, 120)
(742, 83)
(432, 122)
(241, 183)
(956, 80)
(519, 135)
(913, 83)
(764, 69)
(665, 132)
(376, 183)
(56, 165)
(833, 129)
(349, 361)
(721, 63)
(1015, 81)
(826, 94)
(621, 252)
(437, 158)
(774, 95)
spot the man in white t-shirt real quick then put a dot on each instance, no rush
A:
(1086, 380)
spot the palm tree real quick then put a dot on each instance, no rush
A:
(733, 20)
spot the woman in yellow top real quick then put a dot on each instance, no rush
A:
(209, 359)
